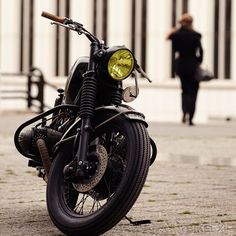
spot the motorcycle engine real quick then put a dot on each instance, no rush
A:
(27, 140)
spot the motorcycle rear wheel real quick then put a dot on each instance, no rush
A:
(129, 159)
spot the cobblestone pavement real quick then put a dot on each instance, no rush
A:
(190, 190)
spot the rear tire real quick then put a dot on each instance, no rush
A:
(135, 155)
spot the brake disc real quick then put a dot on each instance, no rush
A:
(86, 185)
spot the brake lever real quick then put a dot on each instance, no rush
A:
(69, 26)
(69, 21)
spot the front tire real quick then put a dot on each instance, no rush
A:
(98, 210)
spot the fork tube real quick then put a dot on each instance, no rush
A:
(87, 106)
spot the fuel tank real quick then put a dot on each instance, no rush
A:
(75, 79)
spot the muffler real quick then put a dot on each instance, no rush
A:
(43, 151)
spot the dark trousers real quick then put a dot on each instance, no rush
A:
(189, 94)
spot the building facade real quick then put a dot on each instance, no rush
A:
(27, 39)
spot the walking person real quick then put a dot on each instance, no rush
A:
(188, 55)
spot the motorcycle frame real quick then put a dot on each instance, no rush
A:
(86, 106)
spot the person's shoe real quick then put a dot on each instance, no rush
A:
(184, 118)
(191, 123)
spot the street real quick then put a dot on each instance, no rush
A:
(190, 189)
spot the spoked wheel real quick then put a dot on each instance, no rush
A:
(119, 155)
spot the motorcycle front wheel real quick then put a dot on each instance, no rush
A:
(126, 153)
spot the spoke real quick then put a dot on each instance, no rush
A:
(92, 209)
(80, 205)
(108, 188)
(96, 205)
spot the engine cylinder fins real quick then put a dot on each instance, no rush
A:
(27, 139)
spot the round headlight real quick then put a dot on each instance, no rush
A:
(121, 64)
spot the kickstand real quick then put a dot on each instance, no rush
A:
(139, 222)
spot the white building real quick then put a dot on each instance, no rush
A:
(27, 39)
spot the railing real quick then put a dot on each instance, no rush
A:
(34, 78)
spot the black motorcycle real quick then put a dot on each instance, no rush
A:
(93, 151)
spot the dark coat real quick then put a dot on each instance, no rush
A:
(188, 55)
(187, 45)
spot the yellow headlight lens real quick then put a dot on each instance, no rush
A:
(121, 64)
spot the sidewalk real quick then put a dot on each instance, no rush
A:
(190, 190)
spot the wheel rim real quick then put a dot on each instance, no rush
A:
(82, 204)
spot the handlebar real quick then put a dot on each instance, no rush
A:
(70, 24)
(53, 17)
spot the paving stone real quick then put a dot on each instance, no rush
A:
(190, 189)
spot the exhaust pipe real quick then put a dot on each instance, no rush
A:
(44, 156)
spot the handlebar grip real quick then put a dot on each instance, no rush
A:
(53, 17)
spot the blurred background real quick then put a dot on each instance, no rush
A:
(27, 40)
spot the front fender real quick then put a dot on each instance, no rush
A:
(123, 110)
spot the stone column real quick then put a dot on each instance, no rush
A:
(81, 11)
(119, 23)
(10, 36)
(158, 49)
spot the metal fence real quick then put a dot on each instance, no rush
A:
(35, 77)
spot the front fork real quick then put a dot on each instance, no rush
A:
(87, 107)
(81, 154)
